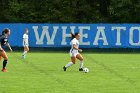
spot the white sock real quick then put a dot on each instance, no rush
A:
(69, 64)
(24, 53)
(81, 64)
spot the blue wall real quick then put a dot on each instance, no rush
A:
(92, 35)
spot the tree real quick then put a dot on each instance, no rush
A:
(70, 11)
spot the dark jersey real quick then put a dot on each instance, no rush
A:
(3, 40)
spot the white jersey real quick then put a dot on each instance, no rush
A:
(25, 42)
(74, 52)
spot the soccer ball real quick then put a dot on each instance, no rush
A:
(86, 70)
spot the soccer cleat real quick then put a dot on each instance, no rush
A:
(64, 68)
(23, 56)
(80, 69)
(4, 70)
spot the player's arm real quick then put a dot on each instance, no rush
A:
(0, 47)
(24, 41)
(74, 46)
(8, 45)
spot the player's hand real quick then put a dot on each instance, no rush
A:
(80, 50)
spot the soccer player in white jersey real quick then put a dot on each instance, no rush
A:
(25, 43)
(74, 52)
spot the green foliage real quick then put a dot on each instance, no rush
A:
(70, 11)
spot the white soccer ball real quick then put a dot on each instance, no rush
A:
(86, 70)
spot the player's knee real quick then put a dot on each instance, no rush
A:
(5, 60)
(81, 59)
(27, 49)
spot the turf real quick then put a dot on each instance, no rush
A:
(42, 73)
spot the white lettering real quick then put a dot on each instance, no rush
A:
(97, 37)
(131, 36)
(82, 35)
(118, 29)
(50, 40)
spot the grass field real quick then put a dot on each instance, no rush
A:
(42, 73)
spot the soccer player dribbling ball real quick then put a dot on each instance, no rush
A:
(25, 43)
(74, 52)
(4, 41)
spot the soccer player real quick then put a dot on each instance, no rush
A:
(74, 52)
(4, 41)
(25, 43)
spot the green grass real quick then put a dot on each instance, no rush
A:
(42, 73)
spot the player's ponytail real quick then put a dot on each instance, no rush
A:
(73, 35)
(5, 31)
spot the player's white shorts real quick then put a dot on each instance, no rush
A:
(73, 53)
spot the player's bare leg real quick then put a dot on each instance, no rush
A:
(0, 58)
(26, 49)
(80, 57)
(4, 55)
